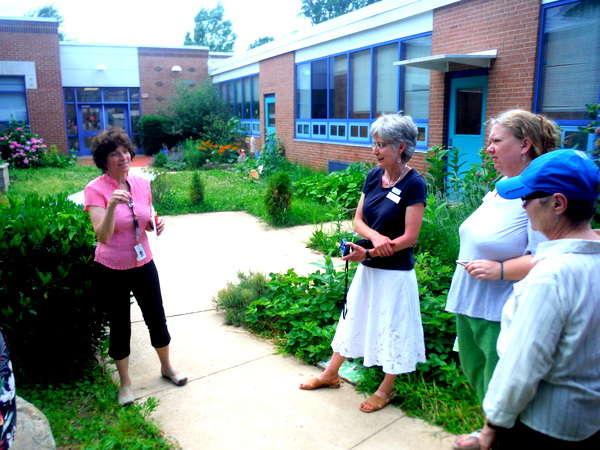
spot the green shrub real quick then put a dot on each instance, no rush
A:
(156, 131)
(342, 188)
(235, 298)
(21, 148)
(278, 198)
(160, 186)
(201, 113)
(301, 312)
(196, 189)
(54, 158)
(160, 159)
(46, 305)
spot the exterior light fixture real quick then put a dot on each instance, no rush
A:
(100, 67)
(176, 69)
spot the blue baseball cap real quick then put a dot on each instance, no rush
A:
(568, 172)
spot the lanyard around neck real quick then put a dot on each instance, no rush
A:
(136, 222)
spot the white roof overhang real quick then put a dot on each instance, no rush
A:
(441, 63)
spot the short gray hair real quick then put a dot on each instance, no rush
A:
(397, 128)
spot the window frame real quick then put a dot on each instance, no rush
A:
(353, 128)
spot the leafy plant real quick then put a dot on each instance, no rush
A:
(278, 198)
(20, 147)
(201, 113)
(54, 158)
(160, 186)
(340, 188)
(85, 414)
(301, 312)
(46, 254)
(160, 160)
(235, 298)
(155, 132)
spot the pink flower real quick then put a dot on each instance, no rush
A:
(25, 161)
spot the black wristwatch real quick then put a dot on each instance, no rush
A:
(368, 258)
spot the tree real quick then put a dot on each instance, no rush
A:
(261, 41)
(318, 11)
(49, 11)
(212, 31)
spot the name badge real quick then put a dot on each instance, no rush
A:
(396, 191)
(139, 250)
(393, 197)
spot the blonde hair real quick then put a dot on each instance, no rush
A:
(542, 132)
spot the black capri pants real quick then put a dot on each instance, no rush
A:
(113, 288)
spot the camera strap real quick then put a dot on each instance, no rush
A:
(345, 309)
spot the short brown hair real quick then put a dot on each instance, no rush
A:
(107, 141)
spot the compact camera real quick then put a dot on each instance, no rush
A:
(345, 248)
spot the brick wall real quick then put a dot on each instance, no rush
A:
(157, 80)
(511, 27)
(37, 41)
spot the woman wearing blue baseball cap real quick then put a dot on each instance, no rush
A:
(546, 386)
(497, 243)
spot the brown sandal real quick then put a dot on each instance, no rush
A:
(376, 402)
(315, 383)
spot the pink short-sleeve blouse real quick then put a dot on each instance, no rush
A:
(119, 253)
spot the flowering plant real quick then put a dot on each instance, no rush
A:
(20, 147)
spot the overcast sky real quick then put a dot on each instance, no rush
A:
(164, 23)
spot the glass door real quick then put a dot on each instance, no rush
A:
(98, 118)
(467, 117)
(91, 126)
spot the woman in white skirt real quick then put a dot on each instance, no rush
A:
(383, 320)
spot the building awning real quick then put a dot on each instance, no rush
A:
(441, 63)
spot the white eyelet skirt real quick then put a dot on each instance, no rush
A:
(383, 323)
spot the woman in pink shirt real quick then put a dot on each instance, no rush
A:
(120, 208)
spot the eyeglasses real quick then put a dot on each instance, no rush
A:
(379, 145)
(527, 198)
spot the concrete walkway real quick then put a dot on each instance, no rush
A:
(241, 393)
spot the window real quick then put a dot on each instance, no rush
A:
(13, 101)
(243, 97)
(416, 81)
(570, 57)
(338, 97)
(303, 91)
(386, 79)
(338, 87)
(360, 83)
(318, 89)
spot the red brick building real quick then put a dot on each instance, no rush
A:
(450, 64)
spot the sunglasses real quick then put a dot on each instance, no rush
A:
(527, 198)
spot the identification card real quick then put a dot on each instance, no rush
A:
(393, 197)
(396, 191)
(139, 250)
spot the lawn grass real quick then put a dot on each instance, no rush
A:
(85, 414)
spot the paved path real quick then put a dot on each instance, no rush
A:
(241, 393)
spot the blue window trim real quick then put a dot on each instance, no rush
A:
(5, 124)
(300, 124)
(250, 125)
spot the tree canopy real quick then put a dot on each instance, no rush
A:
(212, 31)
(318, 11)
(261, 41)
(51, 12)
